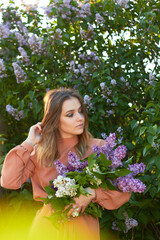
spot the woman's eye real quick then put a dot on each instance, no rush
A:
(70, 115)
(81, 111)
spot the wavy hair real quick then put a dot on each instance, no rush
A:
(47, 148)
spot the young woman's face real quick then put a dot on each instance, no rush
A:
(71, 119)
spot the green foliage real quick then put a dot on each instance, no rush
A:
(124, 45)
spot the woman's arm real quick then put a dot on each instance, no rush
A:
(17, 167)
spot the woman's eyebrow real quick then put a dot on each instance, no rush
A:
(72, 110)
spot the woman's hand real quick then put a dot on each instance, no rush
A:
(81, 202)
(35, 134)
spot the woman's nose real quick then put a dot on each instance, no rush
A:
(80, 116)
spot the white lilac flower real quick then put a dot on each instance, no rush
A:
(87, 100)
(18, 115)
(2, 69)
(21, 40)
(25, 58)
(65, 186)
(99, 18)
(102, 85)
(4, 31)
(20, 74)
(113, 82)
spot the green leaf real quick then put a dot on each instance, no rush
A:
(142, 130)
(122, 172)
(150, 139)
(91, 160)
(157, 161)
(110, 185)
(83, 191)
(104, 160)
(146, 148)
(153, 129)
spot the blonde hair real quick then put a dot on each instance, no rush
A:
(47, 149)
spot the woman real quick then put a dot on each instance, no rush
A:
(63, 129)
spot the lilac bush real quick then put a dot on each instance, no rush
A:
(109, 51)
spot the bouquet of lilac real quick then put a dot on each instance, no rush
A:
(104, 168)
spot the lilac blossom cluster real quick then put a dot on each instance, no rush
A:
(4, 31)
(25, 58)
(122, 3)
(130, 184)
(21, 39)
(82, 11)
(84, 69)
(127, 183)
(74, 164)
(129, 223)
(87, 35)
(22, 28)
(120, 133)
(106, 93)
(36, 44)
(151, 79)
(18, 115)
(20, 74)
(99, 19)
(2, 69)
(87, 102)
(65, 186)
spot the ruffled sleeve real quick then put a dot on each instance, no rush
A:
(111, 199)
(17, 167)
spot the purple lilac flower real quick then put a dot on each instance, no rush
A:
(115, 162)
(61, 168)
(4, 31)
(130, 184)
(104, 135)
(113, 82)
(120, 152)
(107, 150)
(2, 69)
(73, 161)
(25, 58)
(36, 45)
(99, 18)
(130, 222)
(20, 74)
(111, 140)
(85, 10)
(137, 168)
(122, 3)
(21, 40)
(14, 112)
(96, 149)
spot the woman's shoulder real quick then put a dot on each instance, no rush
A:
(96, 141)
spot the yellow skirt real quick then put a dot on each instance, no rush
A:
(82, 227)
